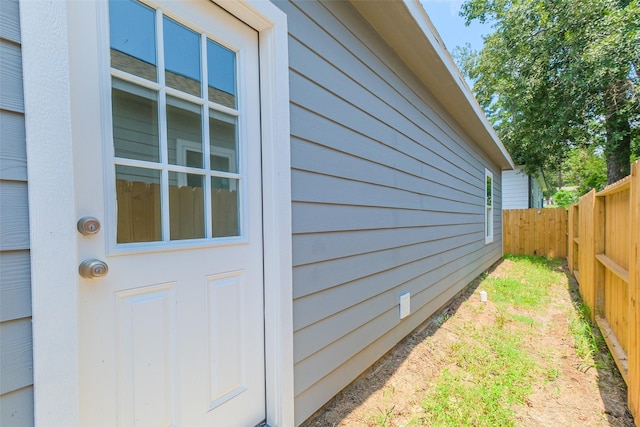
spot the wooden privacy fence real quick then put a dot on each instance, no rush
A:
(604, 251)
(535, 232)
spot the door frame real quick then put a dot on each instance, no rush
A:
(49, 123)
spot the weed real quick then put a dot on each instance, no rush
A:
(441, 319)
(584, 340)
(588, 342)
(552, 374)
(384, 416)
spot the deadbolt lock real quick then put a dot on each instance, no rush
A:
(93, 268)
(88, 226)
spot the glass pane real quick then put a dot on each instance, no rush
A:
(224, 206)
(489, 190)
(223, 140)
(133, 38)
(181, 57)
(184, 132)
(138, 205)
(186, 206)
(135, 122)
(221, 72)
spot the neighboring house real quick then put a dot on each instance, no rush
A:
(254, 261)
(521, 190)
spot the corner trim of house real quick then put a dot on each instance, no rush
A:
(45, 62)
(52, 216)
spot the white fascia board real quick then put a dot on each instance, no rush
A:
(429, 30)
(406, 27)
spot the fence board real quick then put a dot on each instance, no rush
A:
(535, 232)
(587, 252)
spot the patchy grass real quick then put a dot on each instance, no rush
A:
(527, 285)
(490, 374)
(490, 368)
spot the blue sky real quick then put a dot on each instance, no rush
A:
(444, 15)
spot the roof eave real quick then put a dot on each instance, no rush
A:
(406, 27)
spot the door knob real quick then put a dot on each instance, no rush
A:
(88, 226)
(92, 268)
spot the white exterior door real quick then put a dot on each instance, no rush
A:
(168, 162)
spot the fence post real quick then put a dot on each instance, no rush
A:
(634, 294)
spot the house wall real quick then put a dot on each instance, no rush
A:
(388, 198)
(537, 194)
(515, 188)
(16, 367)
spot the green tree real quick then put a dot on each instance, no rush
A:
(565, 198)
(586, 169)
(559, 74)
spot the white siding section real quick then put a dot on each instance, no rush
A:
(16, 354)
(515, 187)
(388, 198)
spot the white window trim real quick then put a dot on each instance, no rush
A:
(184, 145)
(488, 209)
(52, 213)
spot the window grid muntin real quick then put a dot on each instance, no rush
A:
(205, 104)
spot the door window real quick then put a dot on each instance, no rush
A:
(175, 124)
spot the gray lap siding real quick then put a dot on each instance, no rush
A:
(387, 197)
(16, 356)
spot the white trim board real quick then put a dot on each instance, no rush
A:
(52, 211)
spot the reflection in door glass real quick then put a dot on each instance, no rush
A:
(135, 122)
(221, 72)
(182, 57)
(223, 140)
(138, 202)
(184, 131)
(224, 206)
(186, 206)
(133, 38)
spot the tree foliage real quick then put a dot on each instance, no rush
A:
(558, 74)
(586, 169)
(565, 198)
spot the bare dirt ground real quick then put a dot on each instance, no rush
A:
(579, 396)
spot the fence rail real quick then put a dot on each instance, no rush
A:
(535, 232)
(604, 253)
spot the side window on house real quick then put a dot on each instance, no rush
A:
(175, 128)
(488, 219)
